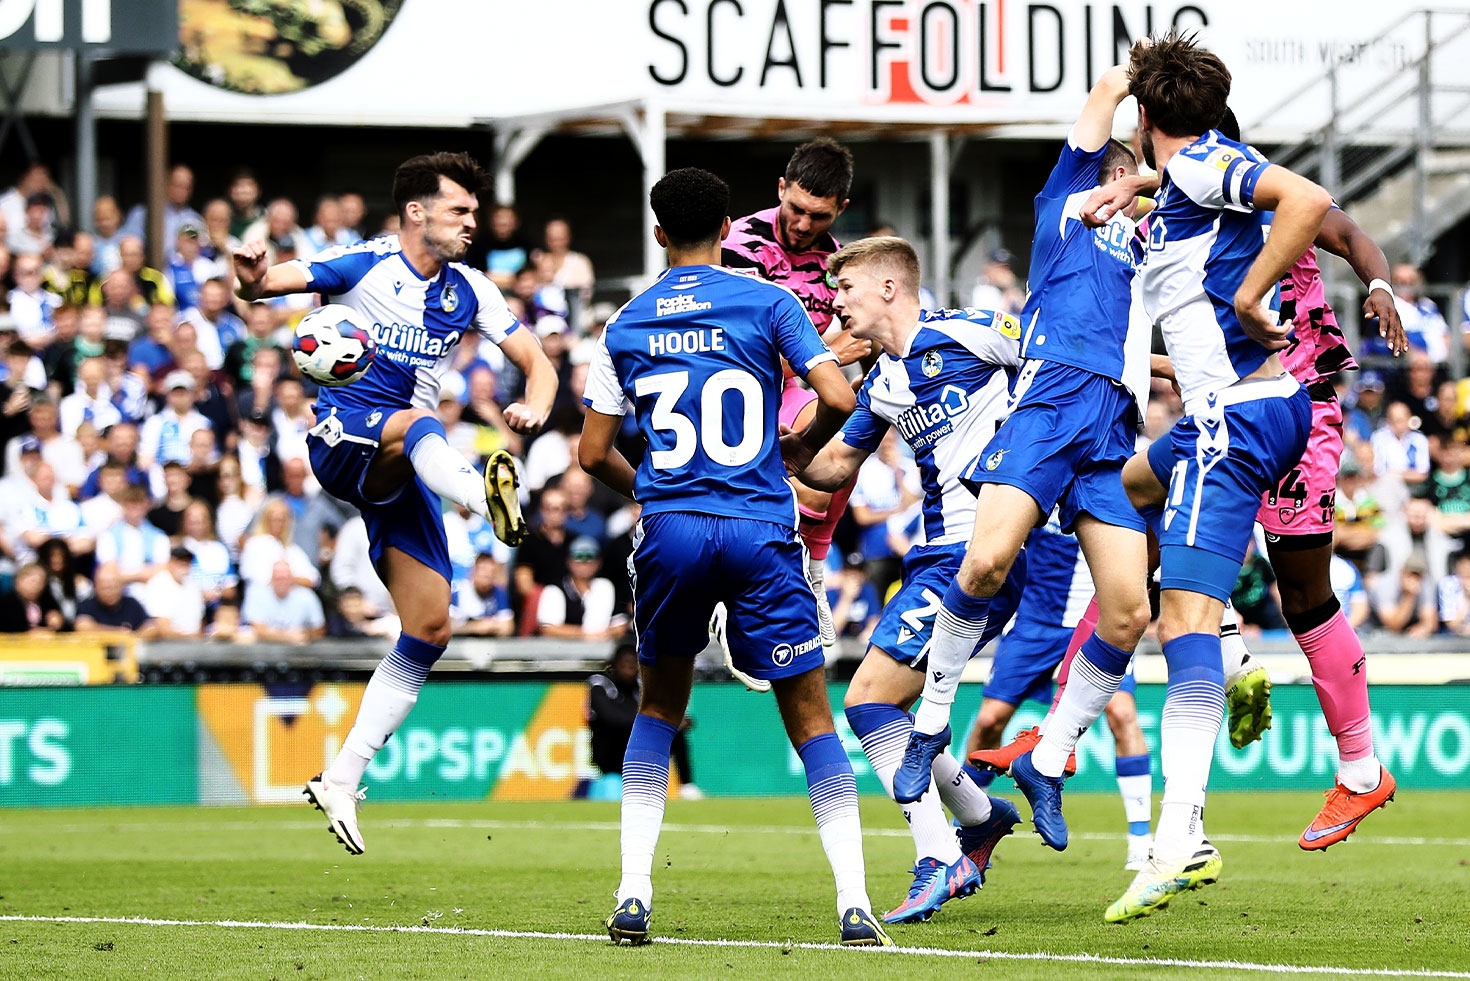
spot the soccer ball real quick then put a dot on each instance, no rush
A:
(333, 345)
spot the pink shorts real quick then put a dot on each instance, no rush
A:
(1306, 499)
(794, 398)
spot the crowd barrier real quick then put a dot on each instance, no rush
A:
(524, 740)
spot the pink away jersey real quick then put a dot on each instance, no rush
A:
(753, 244)
(1318, 350)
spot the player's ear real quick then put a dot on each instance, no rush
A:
(843, 206)
(781, 187)
(725, 229)
(663, 240)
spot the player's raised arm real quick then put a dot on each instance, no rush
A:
(1094, 126)
(1299, 207)
(600, 457)
(835, 402)
(1113, 197)
(525, 353)
(259, 280)
(1341, 236)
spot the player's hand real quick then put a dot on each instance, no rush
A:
(794, 452)
(523, 419)
(1105, 202)
(1380, 306)
(1259, 325)
(849, 349)
(250, 263)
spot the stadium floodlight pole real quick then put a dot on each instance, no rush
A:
(939, 250)
(86, 139)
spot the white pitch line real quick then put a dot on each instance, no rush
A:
(489, 824)
(759, 945)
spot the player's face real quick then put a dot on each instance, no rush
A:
(861, 300)
(1146, 139)
(803, 217)
(449, 221)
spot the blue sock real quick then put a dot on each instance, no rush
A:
(963, 605)
(883, 729)
(1136, 784)
(389, 696)
(427, 426)
(1106, 657)
(407, 666)
(833, 792)
(1193, 709)
(645, 790)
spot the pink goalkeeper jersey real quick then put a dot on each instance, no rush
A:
(753, 244)
(1318, 350)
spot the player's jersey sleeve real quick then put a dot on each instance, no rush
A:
(865, 429)
(493, 318)
(339, 269)
(1075, 170)
(1218, 175)
(602, 392)
(800, 344)
(992, 336)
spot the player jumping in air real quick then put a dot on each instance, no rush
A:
(699, 355)
(1298, 517)
(1077, 402)
(378, 443)
(943, 381)
(790, 244)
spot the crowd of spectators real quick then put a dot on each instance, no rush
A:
(156, 478)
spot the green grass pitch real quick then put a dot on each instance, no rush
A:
(1395, 897)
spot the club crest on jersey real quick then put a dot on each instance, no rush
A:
(993, 460)
(449, 299)
(932, 364)
(373, 417)
(830, 280)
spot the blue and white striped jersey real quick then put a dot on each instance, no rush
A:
(947, 396)
(1203, 236)
(698, 354)
(416, 322)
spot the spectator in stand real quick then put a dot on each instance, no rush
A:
(612, 705)
(110, 608)
(1416, 388)
(151, 285)
(481, 603)
(552, 452)
(107, 227)
(329, 230)
(137, 548)
(1423, 323)
(70, 274)
(121, 444)
(210, 401)
(560, 266)
(215, 322)
(582, 517)
(1453, 594)
(279, 231)
(176, 207)
(1411, 609)
(166, 434)
(291, 420)
(33, 236)
(998, 288)
(260, 326)
(354, 211)
(854, 601)
(267, 366)
(188, 268)
(1448, 489)
(36, 510)
(168, 514)
(237, 505)
(129, 388)
(352, 618)
(1449, 422)
(244, 203)
(887, 485)
(317, 516)
(27, 607)
(583, 605)
(91, 401)
(151, 351)
(260, 468)
(504, 250)
(32, 305)
(542, 558)
(459, 434)
(270, 541)
(352, 567)
(1347, 586)
(172, 598)
(105, 507)
(35, 179)
(63, 452)
(66, 586)
(217, 243)
(1398, 450)
(284, 612)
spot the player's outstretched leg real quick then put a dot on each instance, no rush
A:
(941, 871)
(645, 790)
(984, 820)
(386, 701)
(1247, 685)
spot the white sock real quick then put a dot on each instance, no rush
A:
(1360, 776)
(966, 801)
(386, 701)
(1180, 831)
(1089, 689)
(1237, 657)
(1137, 793)
(951, 646)
(447, 473)
(933, 837)
(832, 789)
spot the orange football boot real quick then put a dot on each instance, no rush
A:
(1339, 817)
(1000, 759)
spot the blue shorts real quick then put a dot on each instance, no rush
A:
(1216, 463)
(1028, 656)
(684, 563)
(908, 619)
(1064, 443)
(411, 519)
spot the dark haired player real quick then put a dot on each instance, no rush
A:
(789, 244)
(378, 443)
(699, 356)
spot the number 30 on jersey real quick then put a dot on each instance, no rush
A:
(668, 387)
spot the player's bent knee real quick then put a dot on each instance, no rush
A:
(983, 572)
